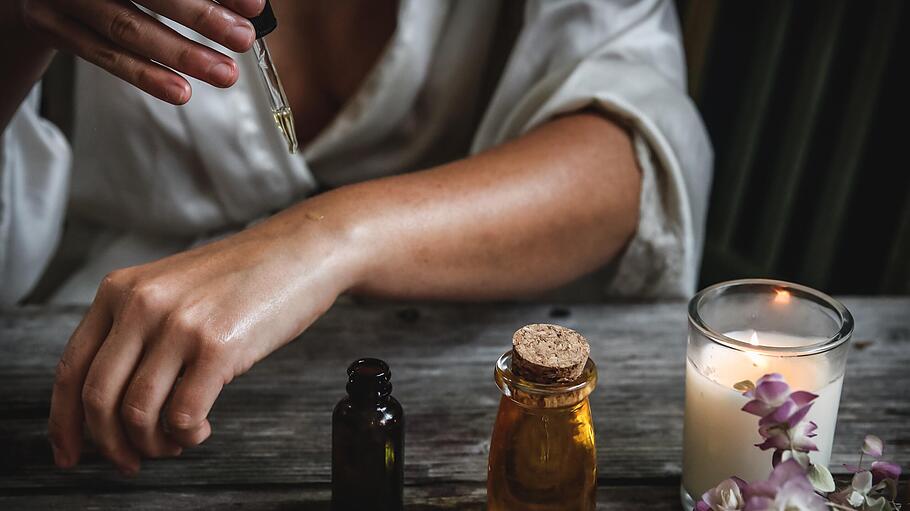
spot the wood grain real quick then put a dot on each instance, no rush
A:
(272, 426)
(460, 496)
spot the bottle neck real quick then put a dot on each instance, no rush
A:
(369, 381)
(369, 391)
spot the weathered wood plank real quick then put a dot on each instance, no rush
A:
(460, 496)
(659, 496)
(273, 425)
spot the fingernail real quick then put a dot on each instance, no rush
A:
(241, 37)
(60, 457)
(178, 93)
(222, 73)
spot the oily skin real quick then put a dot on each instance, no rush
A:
(162, 339)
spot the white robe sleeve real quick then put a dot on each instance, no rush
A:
(624, 58)
(34, 173)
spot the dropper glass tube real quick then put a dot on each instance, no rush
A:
(278, 101)
(264, 24)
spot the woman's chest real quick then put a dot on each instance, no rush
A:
(324, 50)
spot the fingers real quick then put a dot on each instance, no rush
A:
(210, 19)
(65, 420)
(193, 399)
(145, 397)
(101, 395)
(137, 32)
(152, 78)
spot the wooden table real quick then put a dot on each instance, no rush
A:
(272, 427)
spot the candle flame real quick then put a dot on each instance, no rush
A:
(782, 297)
(757, 360)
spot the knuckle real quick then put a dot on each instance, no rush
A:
(204, 15)
(135, 416)
(118, 280)
(145, 298)
(93, 399)
(182, 420)
(124, 26)
(110, 59)
(204, 341)
(185, 58)
(63, 373)
(143, 77)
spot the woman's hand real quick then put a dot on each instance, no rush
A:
(121, 38)
(207, 314)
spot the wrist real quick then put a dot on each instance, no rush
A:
(328, 238)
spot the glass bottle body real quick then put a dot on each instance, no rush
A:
(542, 454)
(367, 451)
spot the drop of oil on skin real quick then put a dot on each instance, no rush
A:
(314, 216)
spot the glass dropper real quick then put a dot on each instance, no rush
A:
(264, 24)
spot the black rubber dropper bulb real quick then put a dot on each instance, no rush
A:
(368, 442)
(266, 22)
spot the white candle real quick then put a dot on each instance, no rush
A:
(719, 438)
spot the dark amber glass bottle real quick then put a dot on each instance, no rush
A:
(368, 442)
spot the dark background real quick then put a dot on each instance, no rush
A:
(805, 105)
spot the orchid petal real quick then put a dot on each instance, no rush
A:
(862, 482)
(801, 397)
(772, 392)
(821, 478)
(756, 407)
(780, 414)
(877, 504)
(777, 457)
(769, 377)
(726, 496)
(798, 415)
(760, 503)
(788, 470)
(739, 482)
(885, 470)
(873, 446)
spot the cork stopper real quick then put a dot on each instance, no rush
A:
(544, 353)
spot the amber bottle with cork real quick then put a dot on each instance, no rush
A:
(542, 453)
(368, 442)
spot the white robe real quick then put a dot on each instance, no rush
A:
(147, 179)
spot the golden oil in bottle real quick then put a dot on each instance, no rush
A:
(542, 454)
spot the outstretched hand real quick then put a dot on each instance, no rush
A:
(119, 37)
(145, 365)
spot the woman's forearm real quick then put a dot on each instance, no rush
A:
(524, 217)
(166, 336)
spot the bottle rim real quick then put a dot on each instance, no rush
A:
(511, 384)
(836, 309)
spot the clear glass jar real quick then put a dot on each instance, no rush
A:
(542, 454)
(742, 330)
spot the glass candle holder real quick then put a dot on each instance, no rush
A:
(742, 330)
(542, 454)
